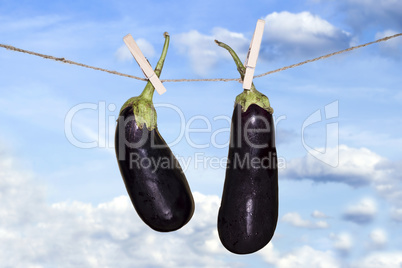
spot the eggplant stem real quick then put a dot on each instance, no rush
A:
(149, 89)
(248, 96)
(143, 108)
(240, 67)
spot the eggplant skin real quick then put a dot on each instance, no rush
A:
(249, 208)
(152, 175)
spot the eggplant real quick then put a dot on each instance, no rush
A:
(248, 213)
(152, 175)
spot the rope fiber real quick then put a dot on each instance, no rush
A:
(12, 48)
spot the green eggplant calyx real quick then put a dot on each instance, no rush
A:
(143, 107)
(248, 96)
(143, 110)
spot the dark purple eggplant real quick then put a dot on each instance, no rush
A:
(152, 175)
(248, 213)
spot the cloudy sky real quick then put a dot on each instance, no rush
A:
(62, 199)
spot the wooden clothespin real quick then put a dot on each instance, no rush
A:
(251, 60)
(144, 64)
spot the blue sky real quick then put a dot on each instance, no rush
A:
(337, 124)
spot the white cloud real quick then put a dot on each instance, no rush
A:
(285, 34)
(200, 50)
(362, 212)
(342, 242)
(204, 53)
(380, 260)
(390, 186)
(123, 54)
(378, 238)
(76, 234)
(319, 215)
(357, 167)
(19, 204)
(304, 256)
(301, 34)
(295, 219)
